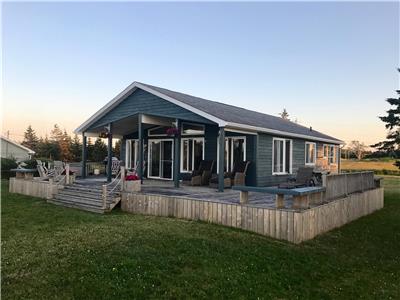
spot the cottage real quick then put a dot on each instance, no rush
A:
(167, 134)
(11, 149)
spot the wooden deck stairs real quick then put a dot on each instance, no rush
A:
(87, 197)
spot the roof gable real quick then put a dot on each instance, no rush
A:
(224, 115)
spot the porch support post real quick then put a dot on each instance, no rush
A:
(221, 159)
(109, 153)
(177, 155)
(140, 148)
(84, 155)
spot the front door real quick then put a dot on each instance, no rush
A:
(161, 158)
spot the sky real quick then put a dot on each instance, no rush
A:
(331, 65)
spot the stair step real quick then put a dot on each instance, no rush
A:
(81, 207)
(94, 189)
(84, 194)
(81, 200)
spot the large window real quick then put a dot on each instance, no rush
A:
(332, 156)
(192, 152)
(158, 131)
(235, 151)
(281, 156)
(192, 129)
(311, 153)
(131, 154)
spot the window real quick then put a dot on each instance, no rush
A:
(192, 153)
(131, 157)
(326, 150)
(235, 151)
(158, 131)
(310, 153)
(281, 156)
(192, 129)
(332, 157)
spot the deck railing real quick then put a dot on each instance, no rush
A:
(341, 185)
(109, 190)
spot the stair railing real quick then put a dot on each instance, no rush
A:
(118, 180)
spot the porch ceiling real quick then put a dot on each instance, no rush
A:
(130, 124)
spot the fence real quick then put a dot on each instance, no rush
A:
(290, 225)
(341, 185)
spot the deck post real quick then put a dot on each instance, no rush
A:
(123, 178)
(177, 155)
(84, 155)
(109, 154)
(140, 148)
(221, 159)
(67, 179)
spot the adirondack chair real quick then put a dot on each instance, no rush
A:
(304, 177)
(202, 175)
(58, 167)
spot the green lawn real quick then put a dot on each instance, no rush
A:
(50, 252)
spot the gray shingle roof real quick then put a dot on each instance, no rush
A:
(234, 114)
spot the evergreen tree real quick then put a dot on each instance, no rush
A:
(392, 120)
(97, 151)
(30, 139)
(284, 114)
(117, 149)
(76, 149)
(48, 149)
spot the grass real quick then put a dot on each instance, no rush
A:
(365, 164)
(50, 252)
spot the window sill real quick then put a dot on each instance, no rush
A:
(281, 174)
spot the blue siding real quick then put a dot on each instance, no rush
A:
(264, 160)
(143, 102)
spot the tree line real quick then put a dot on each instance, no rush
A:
(61, 146)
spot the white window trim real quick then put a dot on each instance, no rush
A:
(149, 130)
(335, 155)
(323, 150)
(148, 158)
(231, 139)
(284, 160)
(181, 158)
(128, 152)
(188, 134)
(315, 154)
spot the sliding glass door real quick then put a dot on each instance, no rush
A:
(161, 159)
(235, 151)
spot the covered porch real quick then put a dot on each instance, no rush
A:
(166, 150)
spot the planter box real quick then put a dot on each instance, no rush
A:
(133, 186)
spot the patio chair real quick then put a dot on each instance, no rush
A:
(58, 167)
(238, 174)
(202, 175)
(304, 177)
(236, 177)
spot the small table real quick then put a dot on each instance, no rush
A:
(24, 173)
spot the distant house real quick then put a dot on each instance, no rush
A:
(142, 114)
(11, 149)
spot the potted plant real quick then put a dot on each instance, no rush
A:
(132, 183)
(172, 131)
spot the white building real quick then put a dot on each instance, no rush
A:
(11, 149)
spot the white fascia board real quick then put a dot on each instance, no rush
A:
(283, 133)
(129, 90)
(238, 130)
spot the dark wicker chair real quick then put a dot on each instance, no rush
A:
(236, 177)
(304, 177)
(202, 175)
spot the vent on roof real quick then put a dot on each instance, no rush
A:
(310, 128)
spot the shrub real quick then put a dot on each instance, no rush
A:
(6, 165)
